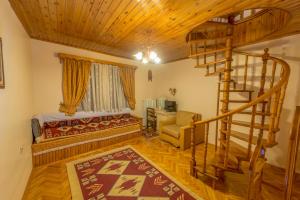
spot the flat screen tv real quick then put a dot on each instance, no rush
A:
(170, 106)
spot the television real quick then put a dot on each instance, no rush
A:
(170, 106)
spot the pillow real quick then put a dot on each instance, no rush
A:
(36, 128)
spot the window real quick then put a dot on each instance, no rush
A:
(105, 91)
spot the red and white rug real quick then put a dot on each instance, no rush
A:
(123, 174)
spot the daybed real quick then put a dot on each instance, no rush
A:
(58, 136)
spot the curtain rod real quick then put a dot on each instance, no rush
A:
(64, 55)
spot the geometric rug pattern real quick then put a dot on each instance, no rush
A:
(123, 174)
(63, 128)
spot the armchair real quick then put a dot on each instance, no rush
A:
(177, 130)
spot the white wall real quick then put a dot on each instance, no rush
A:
(287, 49)
(195, 92)
(47, 75)
(15, 106)
(198, 93)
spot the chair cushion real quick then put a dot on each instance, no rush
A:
(184, 118)
(172, 130)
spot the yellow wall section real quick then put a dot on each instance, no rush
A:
(47, 75)
(15, 106)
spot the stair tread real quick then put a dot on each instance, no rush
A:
(241, 136)
(210, 63)
(218, 161)
(236, 150)
(217, 72)
(237, 90)
(250, 113)
(232, 165)
(235, 101)
(211, 47)
(208, 52)
(248, 124)
(233, 81)
(241, 101)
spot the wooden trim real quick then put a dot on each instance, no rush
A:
(62, 153)
(94, 60)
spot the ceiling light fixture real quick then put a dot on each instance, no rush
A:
(147, 56)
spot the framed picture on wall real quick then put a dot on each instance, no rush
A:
(2, 82)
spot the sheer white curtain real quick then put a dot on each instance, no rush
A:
(105, 91)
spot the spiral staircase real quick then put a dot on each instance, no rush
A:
(251, 91)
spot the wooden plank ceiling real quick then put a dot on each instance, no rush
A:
(122, 27)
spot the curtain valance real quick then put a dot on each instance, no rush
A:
(93, 60)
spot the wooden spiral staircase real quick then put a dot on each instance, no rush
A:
(245, 127)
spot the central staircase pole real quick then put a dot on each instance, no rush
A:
(227, 78)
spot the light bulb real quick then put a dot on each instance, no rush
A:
(153, 55)
(145, 60)
(157, 60)
(139, 56)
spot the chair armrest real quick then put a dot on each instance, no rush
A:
(185, 127)
(185, 136)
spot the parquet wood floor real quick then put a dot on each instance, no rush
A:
(51, 181)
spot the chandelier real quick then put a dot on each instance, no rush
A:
(147, 56)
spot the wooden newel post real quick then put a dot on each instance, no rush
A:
(226, 79)
(193, 160)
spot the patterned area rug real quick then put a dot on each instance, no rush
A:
(123, 174)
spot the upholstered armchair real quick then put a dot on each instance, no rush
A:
(177, 130)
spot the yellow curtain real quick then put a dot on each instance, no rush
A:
(76, 74)
(127, 75)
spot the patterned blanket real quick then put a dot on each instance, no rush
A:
(64, 128)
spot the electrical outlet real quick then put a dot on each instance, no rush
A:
(21, 149)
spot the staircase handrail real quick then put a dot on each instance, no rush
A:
(283, 80)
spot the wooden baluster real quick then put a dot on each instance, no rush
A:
(279, 108)
(191, 48)
(193, 160)
(218, 110)
(265, 58)
(273, 114)
(256, 171)
(196, 53)
(227, 141)
(216, 47)
(205, 146)
(242, 15)
(272, 84)
(251, 131)
(204, 58)
(245, 72)
(292, 155)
